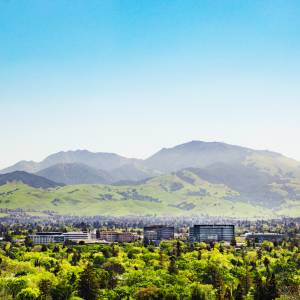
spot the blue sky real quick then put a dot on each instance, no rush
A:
(134, 76)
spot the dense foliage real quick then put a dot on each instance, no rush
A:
(174, 270)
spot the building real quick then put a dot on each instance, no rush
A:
(259, 237)
(110, 236)
(76, 236)
(208, 233)
(118, 237)
(158, 233)
(44, 238)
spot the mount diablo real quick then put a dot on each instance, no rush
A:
(82, 166)
(190, 174)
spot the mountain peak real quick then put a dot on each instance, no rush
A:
(75, 173)
(70, 166)
(196, 154)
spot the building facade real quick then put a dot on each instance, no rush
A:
(259, 237)
(118, 237)
(208, 233)
(158, 233)
(45, 238)
(76, 236)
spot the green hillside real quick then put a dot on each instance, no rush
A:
(177, 194)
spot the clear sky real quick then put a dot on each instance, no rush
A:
(134, 76)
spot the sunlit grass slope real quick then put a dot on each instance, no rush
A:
(168, 195)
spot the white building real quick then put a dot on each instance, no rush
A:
(44, 238)
(76, 236)
(58, 237)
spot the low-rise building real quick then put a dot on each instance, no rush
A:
(158, 233)
(208, 233)
(45, 238)
(259, 237)
(118, 237)
(76, 236)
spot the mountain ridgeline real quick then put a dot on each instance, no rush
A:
(183, 177)
(28, 179)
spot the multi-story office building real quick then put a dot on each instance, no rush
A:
(259, 237)
(119, 237)
(58, 237)
(208, 233)
(76, 236)
(109, 236)
(44, 238)
(158, 233)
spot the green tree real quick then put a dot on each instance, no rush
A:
(16, 285)
(259, 293)
(45, 286)
(62, 291)
(227, 295)
(149, 293)
(239, 293)
(75, 258)
(88, 285)
(202, 292)
(28, 242)
(178, 248)
(44, 248)
(271, 288)
(172, 266)
(233, 242)
(170, 294)
(28, 294)
(8, 237)
(114, 267)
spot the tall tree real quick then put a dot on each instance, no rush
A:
(259, 293)
(239, 293)
(88, 285)
(271, 288)
(178, 248)
(172, 266)
(45, 286)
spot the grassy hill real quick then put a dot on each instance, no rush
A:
(29, 179)
(177, 194)
(191, 179)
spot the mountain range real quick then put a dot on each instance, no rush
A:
(189, 173)
(82, 166)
